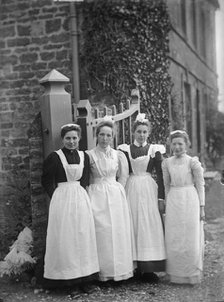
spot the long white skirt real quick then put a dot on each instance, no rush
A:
(184, 235)
(113, 230)
(71, 250)
(148, 230)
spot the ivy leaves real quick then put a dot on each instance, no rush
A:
(125, 46)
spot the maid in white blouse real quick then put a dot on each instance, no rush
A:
(185, 200)
(110, 207)
(144, 196)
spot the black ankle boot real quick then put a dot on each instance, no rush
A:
(150, 277)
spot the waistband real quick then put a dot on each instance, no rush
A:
(184, 186)
(75, 182)
(104, 179)
(141, 174)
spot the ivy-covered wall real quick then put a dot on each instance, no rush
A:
(124, 46)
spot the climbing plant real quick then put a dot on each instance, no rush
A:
(124, 46)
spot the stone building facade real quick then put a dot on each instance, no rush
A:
(35, 38)
(193, 67)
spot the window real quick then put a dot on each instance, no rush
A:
(203, 33)
(183, 16)
(188, 109)
(193, 14)
(198, 117)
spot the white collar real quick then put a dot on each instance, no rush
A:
(138, 145)
(106, 150)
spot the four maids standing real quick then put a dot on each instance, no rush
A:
(105, 210)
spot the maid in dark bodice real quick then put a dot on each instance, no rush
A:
(144, 195)
(54, 173)
(71, 253)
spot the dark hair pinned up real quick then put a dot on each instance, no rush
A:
(141, 120)
(180, 133)
(70, 127)
(106, 121)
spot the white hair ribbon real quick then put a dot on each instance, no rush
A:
(70, 125)
(178, 131)
(141, 118)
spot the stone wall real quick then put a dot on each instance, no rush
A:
(34, 39)
(39, 200)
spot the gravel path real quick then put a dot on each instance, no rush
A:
(210, 290)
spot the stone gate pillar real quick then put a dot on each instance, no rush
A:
(56, 109)
(44, 137)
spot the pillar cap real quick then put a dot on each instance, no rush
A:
(54, 76)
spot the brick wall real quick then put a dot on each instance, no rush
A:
(34, 39)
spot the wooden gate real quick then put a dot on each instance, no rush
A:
(88, 118)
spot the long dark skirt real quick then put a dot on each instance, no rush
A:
(51, 284)
(151, 266)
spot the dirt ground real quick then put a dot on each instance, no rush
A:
(210, 290)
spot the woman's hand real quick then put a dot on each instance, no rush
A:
(222, 178)
(202, 213)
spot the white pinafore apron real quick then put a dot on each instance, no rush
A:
(184, 234)
(71, 242)
(142, 196)
(112, 220)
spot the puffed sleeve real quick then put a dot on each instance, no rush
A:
(157, 148)
(84, 180)
(198, 176)
(123, 168)
(48, 176)
(123, 147)
(166, 176)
